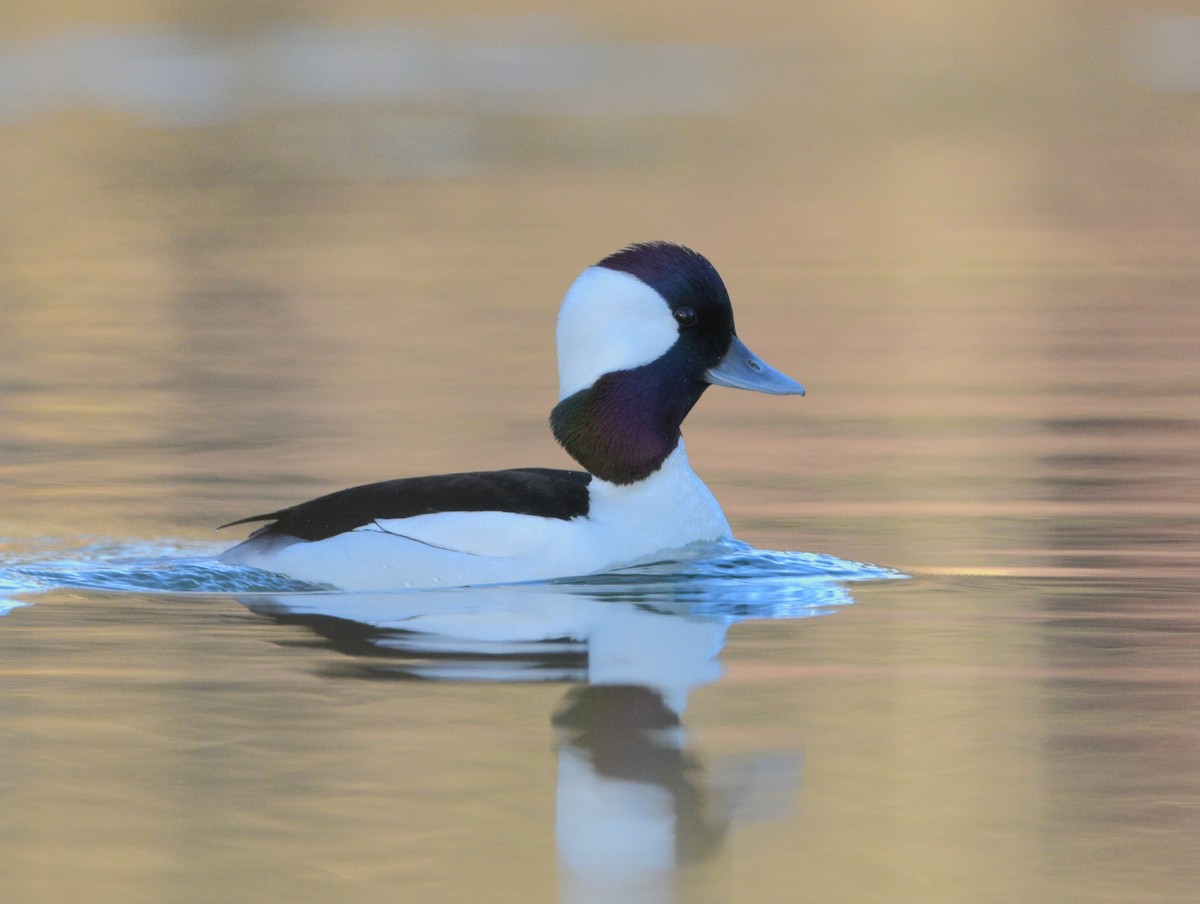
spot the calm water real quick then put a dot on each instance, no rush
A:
(246, 262)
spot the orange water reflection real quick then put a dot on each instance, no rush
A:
(970, 230)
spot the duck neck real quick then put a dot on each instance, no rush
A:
(625, 425)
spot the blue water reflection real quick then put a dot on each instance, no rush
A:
(660, 625)
(638, 809)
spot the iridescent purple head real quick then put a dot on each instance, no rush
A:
(641, 335)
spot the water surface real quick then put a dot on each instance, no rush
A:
(231, 280)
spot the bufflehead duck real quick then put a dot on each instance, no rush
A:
(641, 335)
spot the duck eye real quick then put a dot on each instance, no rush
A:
(685, 316)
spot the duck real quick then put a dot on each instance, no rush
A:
(640, 336)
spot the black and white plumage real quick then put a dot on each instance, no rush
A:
(544, 492)
(641, 335)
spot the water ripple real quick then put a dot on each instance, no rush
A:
(136, 567)
(730, 578)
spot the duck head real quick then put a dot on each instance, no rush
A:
(641, 335)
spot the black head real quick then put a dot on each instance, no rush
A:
(641, 335)
(637, 334)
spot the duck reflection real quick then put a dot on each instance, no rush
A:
(636, 812)
(639, 816)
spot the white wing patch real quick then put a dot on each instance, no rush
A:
(609, 321)
(476, 533)
(668, 511)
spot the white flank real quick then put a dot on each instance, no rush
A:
(625, 524)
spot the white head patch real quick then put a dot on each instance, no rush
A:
(609, 321)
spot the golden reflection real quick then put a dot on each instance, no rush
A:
(637, 814)
(971, 227)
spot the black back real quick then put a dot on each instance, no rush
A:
(544, 492)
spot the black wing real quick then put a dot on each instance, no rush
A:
(546, 492)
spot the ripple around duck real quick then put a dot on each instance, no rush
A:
(729, 578)
(136, 567)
